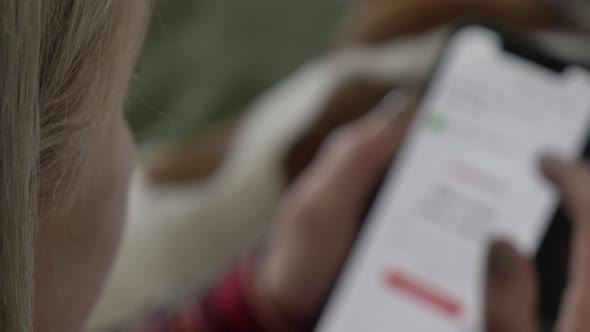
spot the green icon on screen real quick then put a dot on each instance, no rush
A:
(437, 123)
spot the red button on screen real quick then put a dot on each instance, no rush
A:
(441, 302)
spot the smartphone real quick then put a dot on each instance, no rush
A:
(468, 173)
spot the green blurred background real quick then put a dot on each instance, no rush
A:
(205, 59)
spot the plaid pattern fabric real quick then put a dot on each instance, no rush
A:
(224, 309)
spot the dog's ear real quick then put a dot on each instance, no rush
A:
(374, 21)
(194, 160)
(351, 101)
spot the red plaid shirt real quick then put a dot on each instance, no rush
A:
(226, 308)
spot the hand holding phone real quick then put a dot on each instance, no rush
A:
(302, 263)
(512, 287)
(467, 173)
(307, 275)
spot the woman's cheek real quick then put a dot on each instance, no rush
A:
(77, 244)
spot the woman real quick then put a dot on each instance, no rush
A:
(65, 163)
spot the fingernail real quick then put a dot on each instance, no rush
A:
(551, 164)
(395, 103)
(502, 260)
(551, 160)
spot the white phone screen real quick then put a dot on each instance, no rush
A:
(468, 172)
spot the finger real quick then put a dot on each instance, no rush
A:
(511, 300)
(323, 210)
(573, 181)
(354, 159)
(353, 99)
(338, 186)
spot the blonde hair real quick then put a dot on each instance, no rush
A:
(56, 57)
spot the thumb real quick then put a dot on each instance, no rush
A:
(573, 181)
(511, 302)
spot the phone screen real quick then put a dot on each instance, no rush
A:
(468, 172)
